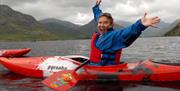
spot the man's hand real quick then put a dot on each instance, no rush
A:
(98, 2)
(152, 22)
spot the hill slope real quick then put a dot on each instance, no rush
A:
(175, 29)
(91, 27)
(18, 26)
(62, 28)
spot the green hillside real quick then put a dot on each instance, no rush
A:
(16, 26)
(62, 28)
(91, 27)
(175, 30)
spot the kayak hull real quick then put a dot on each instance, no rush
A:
(141, 71)
(14, 52)
(146, 70)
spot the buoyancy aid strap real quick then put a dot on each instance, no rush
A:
(112, 56)
(118, 56)
(108, 56)
(95, 53)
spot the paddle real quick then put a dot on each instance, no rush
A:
(63, 80)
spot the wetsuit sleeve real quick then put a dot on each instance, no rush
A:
(97, 12)
(129, 34)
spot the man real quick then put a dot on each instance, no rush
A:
(107, 43)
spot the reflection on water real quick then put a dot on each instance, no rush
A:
(127, 86)
(167, 48)
(14, 82)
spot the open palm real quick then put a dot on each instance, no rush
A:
(152, 22)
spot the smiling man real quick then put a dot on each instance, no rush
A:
(107, 43)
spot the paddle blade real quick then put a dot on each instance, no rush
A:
(62, 80)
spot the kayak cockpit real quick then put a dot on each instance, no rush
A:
(77, 58)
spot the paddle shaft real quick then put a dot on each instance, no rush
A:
(84, 63)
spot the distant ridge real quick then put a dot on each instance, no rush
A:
(174, 30)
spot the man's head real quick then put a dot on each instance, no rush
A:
(105, 22)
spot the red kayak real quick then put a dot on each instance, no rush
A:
(14, 52)
(147, 70)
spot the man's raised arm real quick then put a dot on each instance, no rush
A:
(96, 10)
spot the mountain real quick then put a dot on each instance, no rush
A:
(156, 32)
(88, 29)
(70, 29)
(150, 32)
(123, 23)
(63, 28)
(15, 25)
(60, 22)
(91, 27)
(174, 30)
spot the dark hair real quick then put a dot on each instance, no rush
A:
(107, 15)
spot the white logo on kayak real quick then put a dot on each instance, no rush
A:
(55, 64)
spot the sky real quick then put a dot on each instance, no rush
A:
(80, 11)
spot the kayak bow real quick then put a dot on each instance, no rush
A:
(14, 52)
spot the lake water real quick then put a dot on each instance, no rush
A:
(156, 48)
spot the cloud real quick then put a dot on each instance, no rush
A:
(168, 10)
(79, 11)
(17, 2)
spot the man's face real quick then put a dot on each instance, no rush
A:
(104, 24)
